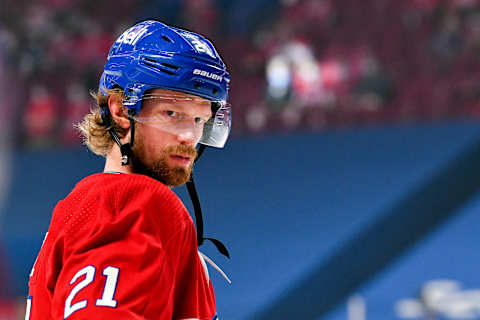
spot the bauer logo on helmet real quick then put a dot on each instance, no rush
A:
(207, 74)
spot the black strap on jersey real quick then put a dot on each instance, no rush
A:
(192, 191)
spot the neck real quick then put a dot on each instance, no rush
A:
(113, 161)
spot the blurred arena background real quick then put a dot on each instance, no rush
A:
(350, 187)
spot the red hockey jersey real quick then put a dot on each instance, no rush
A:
(120, 246)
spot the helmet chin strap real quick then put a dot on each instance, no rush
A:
(125, 148)
(192, 191)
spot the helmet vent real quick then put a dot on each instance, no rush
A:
(214, 91)
(197, 85)
(159, 69)
(152, 63)
(150, 60)
(167, 39)
(171, 66)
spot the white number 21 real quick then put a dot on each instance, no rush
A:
(111, 273)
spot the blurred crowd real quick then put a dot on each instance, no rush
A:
(295, 64)
(333, 63)
(53, 52)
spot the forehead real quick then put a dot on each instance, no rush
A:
(177, 99)
(181, 96)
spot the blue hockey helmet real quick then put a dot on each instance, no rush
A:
(152, 55)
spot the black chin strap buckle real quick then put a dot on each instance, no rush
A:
(126, 151)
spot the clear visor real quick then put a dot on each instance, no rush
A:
(204, 121)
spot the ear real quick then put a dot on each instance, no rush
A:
(118, 111)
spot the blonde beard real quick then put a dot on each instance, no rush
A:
(159, 169)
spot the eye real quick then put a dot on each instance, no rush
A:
(171, 113)
(199, 120)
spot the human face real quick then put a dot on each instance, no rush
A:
(169, 127)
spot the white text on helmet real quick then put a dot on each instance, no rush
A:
(199, 45)
(131, 36)
(207, 74)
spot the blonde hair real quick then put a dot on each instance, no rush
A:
(94, 128)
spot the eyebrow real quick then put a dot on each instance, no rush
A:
(182, 108)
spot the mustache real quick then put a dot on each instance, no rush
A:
(181, 149)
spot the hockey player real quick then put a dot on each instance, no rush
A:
(122, 245)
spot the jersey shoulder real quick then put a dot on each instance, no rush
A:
(106, 201)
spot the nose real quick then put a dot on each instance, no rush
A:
(187, 137)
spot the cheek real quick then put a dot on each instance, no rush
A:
(199, 134)
(154, 141)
